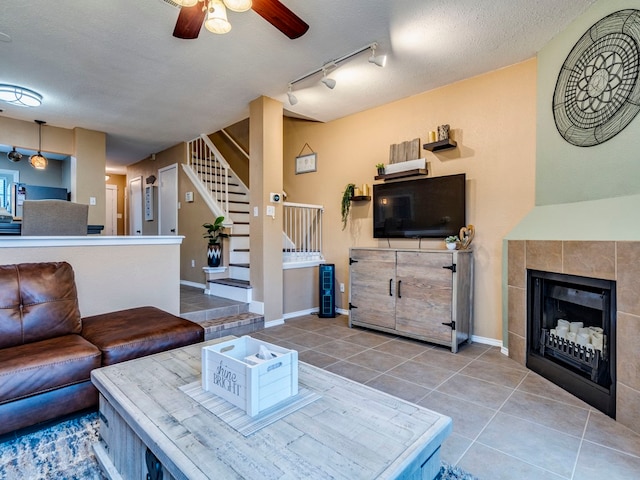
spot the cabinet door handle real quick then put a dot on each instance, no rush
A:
(399, 284)
(390, 287)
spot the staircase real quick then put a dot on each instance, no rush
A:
(226, 195)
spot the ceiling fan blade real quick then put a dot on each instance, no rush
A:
(189, 22)
(280, 17)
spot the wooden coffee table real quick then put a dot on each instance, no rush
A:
(350, 432)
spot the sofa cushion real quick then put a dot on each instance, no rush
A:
(37, 301)
(136, 332)
(42, 366)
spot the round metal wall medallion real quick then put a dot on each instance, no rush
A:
(597, 93)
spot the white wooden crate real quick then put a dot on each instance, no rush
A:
(232, 371)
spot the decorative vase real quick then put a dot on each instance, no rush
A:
(381, 171)
(451, 246)
(443, 132)
(214, 255)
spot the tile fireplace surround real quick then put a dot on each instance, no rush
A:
(611, 260)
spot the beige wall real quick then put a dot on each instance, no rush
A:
(300, 287)
(90, 157)
(265, 243)
(492, 118)
(111, 278)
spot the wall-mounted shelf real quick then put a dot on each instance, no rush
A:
(406, 173)
(361, 198)
(440, 145)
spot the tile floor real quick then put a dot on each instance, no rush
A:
(508, 422)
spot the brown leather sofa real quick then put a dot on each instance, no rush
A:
(47, 351)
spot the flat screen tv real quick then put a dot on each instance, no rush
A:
(424, 208)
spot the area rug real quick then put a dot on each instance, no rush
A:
(64, 451)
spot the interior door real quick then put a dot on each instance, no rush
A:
(424, 293)
(372, 287)
(168, 200)
(111, 221)
(135, 206)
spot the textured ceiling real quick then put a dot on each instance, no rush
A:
(113, 65)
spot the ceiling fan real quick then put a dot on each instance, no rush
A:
(193, 14)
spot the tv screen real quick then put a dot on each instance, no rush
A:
(424, 208)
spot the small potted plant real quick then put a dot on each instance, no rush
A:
(452, 242)
(380, 167)
(215, 233)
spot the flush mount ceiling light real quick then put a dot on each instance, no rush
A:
(20, 96)
(379, 60)
(39, 161)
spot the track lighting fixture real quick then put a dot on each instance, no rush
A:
(329, 82)
(379, 60)
(292, 98)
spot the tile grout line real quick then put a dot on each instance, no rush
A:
(584, 432)
(475, 440)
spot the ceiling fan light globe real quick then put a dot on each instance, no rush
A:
(186, 3)
(216, 21)
(238, 5)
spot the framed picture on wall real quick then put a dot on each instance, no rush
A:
(306, 163)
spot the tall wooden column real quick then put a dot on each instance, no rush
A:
(265, 173)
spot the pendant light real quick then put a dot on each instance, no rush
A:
(14, 156)
(39, 161)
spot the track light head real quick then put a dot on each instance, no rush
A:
(329, 82)
(292, 98)
(379, 60)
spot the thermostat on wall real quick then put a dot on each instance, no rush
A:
(188, 197)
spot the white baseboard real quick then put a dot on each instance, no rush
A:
(300, 313)
(274, 323)
(487, 341)
(193, 284)
(504, 351)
